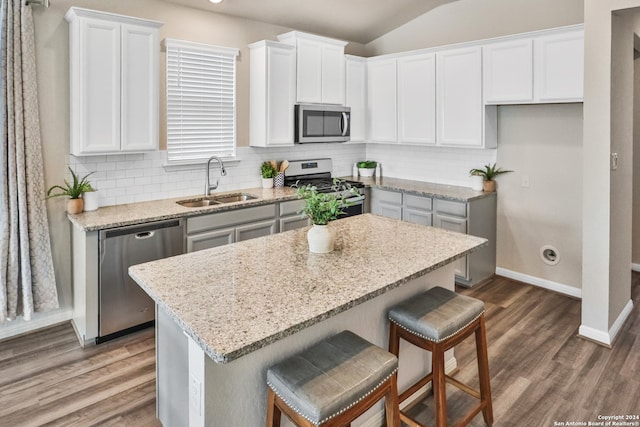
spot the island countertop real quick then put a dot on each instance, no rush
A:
(238, 298)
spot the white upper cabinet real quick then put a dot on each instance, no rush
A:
(460, 110)
(356, 95)
(417, 99)
(114, 82)
(559, 67)
(508, 71)
(320, 68)
(542, 68)
(272, 91)
(381, 100)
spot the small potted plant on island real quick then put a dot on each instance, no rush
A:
(268, 171)
(367, 167)
(74, 190)
(321, 208)
(488, 174)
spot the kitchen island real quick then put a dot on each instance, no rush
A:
(226, 314)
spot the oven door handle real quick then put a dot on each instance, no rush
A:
(355, 200)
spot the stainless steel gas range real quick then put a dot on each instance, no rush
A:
(317, 172)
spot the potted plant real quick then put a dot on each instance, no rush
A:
(367, 167)
(488, 174)
(74, 190)
(321, 208)
(268, 171)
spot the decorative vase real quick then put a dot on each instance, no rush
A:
(90, 200)
(278, 181)
(489, 186)
(477, 182)
(366, 171)
(321, 239)
(267, 182)
(75, 206)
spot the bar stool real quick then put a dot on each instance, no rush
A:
(332, 383)
(436, 321)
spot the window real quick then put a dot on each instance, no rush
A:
(201, 102)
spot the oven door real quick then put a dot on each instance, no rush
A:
(356, 207)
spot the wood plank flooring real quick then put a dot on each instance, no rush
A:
(541, 372)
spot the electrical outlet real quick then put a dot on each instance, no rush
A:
(195, 394)
(524, 183)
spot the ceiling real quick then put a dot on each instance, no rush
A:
(358, 21)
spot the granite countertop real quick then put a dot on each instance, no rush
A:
(242, 297)
(420, 188)
(155, 210)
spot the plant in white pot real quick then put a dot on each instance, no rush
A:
(367, 167)
(321, 208)
(268, 171)
(488, 174)
(74, 190)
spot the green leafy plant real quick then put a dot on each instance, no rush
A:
(73, 189)
(322, 207)
(489, 172)
(367, 164)
(267, 170)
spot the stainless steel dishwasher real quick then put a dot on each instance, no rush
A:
(123, 305)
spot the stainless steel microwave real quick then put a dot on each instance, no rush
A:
(322, 123)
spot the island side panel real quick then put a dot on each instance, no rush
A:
(85, 284)
(235, 393)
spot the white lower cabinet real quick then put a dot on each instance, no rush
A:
(476, 217)
(223, 228)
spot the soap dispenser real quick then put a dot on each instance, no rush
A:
(354, 171)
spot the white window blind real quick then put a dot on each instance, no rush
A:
(201, 101)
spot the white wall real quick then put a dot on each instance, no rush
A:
(543, 142)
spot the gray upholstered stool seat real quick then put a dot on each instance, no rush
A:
(436, 321)
(437, 314)
(331, 377)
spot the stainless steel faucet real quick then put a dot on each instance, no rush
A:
(207, 186)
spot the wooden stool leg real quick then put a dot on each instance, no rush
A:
(394, 339)
(273, 412)
(391, 404)
(439, 386)
(483, 372)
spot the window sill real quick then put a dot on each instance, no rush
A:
(228, 162)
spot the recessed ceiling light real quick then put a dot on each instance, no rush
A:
(215, 1)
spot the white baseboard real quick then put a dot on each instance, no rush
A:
(607, 338)
(635, 267)
(40, 320)
(378, 419)
(542, 283)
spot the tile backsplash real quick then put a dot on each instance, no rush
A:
(128, 178)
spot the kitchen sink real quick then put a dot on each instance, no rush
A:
(201, 202)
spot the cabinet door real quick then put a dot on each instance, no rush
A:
(98, 103)
(417, 99)
(281, 95)
(139, 107)
(256, 229)
(210, 239)
(559, 67)
(459, 97)
(381, 102)
(454, 224)
(333, 74)
(356, 95)
(508, 71)
(293, 222)
(417, 209)
(386, 203)
(417, 216)
(309, 74)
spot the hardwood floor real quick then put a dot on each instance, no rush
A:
(541, 371)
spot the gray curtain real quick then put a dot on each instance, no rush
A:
(27, 280)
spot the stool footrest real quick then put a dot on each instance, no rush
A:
(463, 387)
(414, 388)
